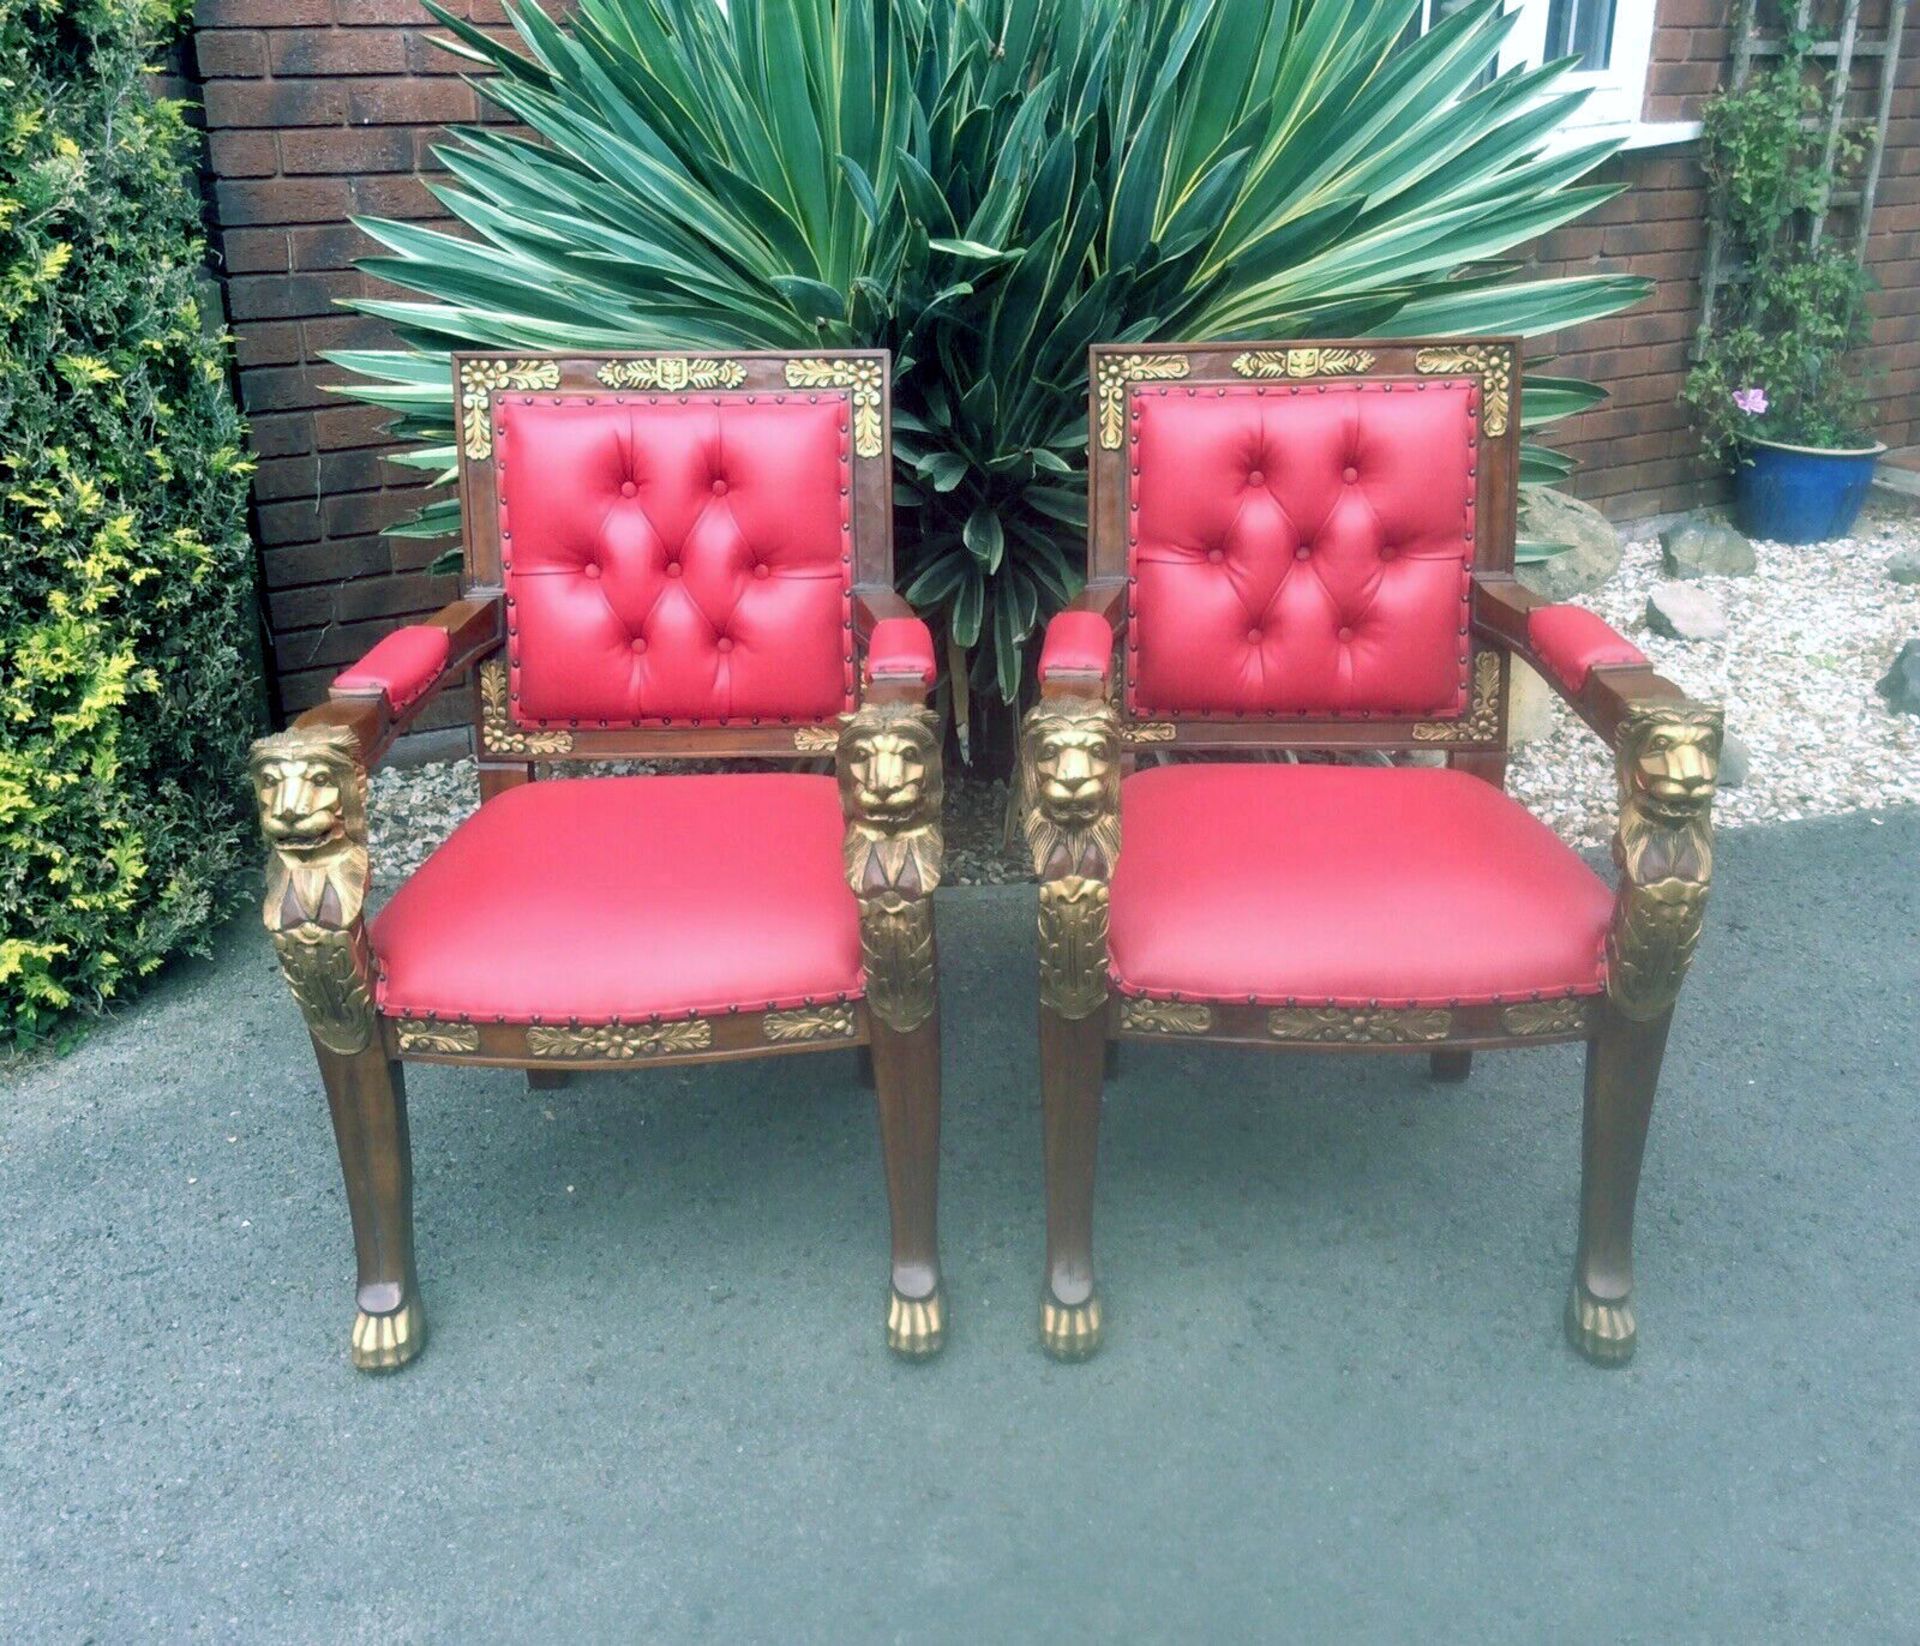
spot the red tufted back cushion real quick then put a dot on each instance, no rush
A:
(1301, 549)
(680, 558)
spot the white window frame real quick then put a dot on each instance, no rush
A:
(1616, 94)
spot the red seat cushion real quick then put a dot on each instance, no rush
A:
(1346, 886)
(674, 558)
(1301, 549)
(627, 897)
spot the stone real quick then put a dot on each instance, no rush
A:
(1900, 685)
(1903, 566)
(1735, 763)
(1591, 557)
(1701, 546)
(1529, 705)
(1682, 612)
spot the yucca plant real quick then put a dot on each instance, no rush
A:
(985, 187)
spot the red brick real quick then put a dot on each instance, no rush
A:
(278, 344)
(338, 51)
(396, 195)
(349, 150)
(330, 246)
(242, 153)
(282, 297)
(274, 103)
(400, 102)
(284, 200)
(255, 251)
(324, 562)
(229, 54)
(280, 435)
(213, 14)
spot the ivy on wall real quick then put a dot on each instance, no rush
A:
(128, 675)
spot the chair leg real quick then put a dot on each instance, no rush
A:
(906, 1080)
(1072, 1057)
(1450, 1065)
(548, 1080)
(367, 1094)
(1623, 1068)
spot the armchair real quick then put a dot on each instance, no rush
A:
(668, 558)
(1310, 547)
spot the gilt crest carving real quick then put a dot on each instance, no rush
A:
(863, 378)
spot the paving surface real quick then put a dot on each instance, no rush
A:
(1334, 1405)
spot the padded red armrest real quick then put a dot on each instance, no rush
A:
(1572, 642)
(1077, 643)
(403, 666)
(900, 648)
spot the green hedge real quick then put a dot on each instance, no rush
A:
(127, 611)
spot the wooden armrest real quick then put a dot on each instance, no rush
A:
(380, 694)
(1076, 657)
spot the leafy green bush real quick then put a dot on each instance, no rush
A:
(985, 188)
(127, 685)
(1775, 365)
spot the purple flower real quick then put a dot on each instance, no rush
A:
(1751, 401)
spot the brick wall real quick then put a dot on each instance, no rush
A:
(318, 109)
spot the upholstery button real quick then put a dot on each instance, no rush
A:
(627, 488)
(1256, 478)
(724, 644)
(591, 570)
(1254, 637)
(1386, 551)
(1346, 634)
(719, 488)
(639, 645)
(1350, 475)
(760, 569)
(1302, 552)
(1216, 555)
(673, 568)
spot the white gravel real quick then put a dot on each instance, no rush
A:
(1807, 636)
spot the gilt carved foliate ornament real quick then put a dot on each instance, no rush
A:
(1481, 722)
(669, 374)
(1116, 371)
(891, 790)
(480, 380)
(1667, 758)
(1070, 759)
(863, 378)
(498, 733)
(311, 788)
(1492, 364)
(1303, 362)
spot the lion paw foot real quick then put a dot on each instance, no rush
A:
(916, 1326)
(386, 1342)
(1603, 1332)
(1070, 1331)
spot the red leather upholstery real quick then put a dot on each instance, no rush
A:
(1345, 885)
(1301, 549)
(627, 897)
(676, 558)
(1572, 642)
(1077, 643)
(900, 646)
(403, 666)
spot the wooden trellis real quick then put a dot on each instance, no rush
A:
(1848, 46)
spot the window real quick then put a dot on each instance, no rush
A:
(1612, 40)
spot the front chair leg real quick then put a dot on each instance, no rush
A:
(906, 1079)
(1623, 1068)
(1450, 1065)
(368, 1096)
(1072, 1055)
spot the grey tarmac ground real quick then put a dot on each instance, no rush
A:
(1335, 1403)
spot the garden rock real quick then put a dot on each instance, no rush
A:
(1701, 546)
(1681, 612)
(1900, 685)
(1904, 567)
(1735, 763)
(1591, 557)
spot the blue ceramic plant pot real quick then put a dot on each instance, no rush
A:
(1801, 494)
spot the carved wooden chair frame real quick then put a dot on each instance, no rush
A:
(1665, 749)
(311, 785)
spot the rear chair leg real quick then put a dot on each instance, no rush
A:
(1072, 1057)
(1450, 1065)
(1623, 1068)
(906, 1080)
(368, 1096)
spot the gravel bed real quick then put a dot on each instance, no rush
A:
(1807, 636)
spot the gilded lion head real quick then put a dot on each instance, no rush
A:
(1073, 754)
(1669, 760)
(888, 764)
(310, 787)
